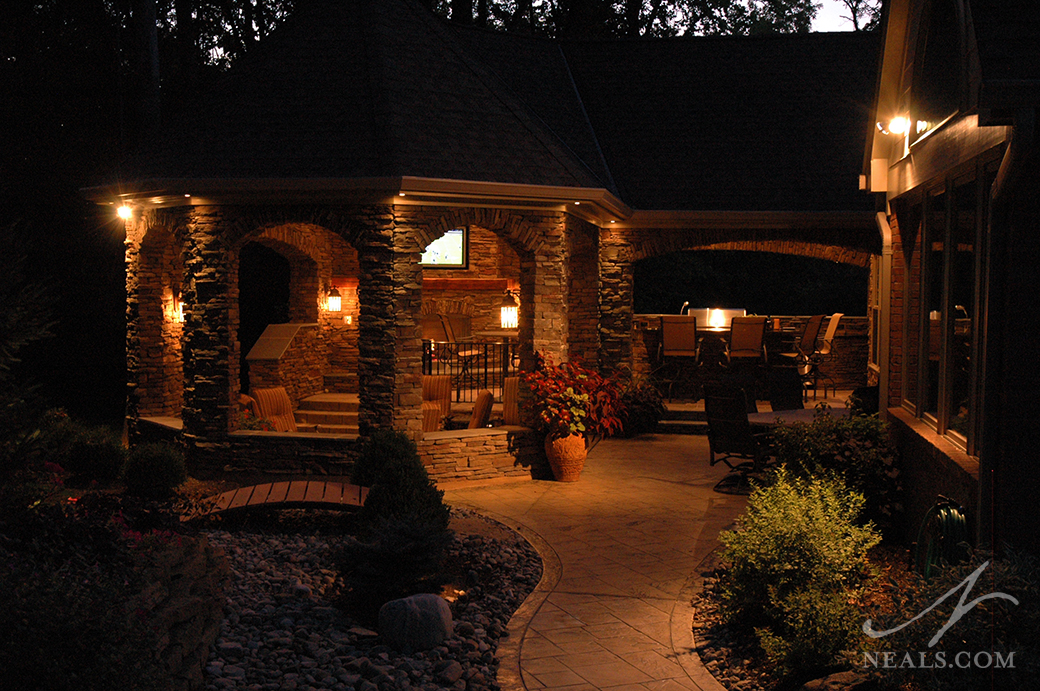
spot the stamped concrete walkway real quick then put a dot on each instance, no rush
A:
(621, 549)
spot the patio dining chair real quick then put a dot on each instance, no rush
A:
(804, 349)
(679, 352)
(746, 341)
(824, 351)
(731, 436)
(459, 329)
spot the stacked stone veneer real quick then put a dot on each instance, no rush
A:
(184, 599)
(484, 454)
(301, 369)
(574, 280)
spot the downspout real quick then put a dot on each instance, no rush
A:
(1021, 143)
(883, 335)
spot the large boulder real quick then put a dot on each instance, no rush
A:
(419, 622)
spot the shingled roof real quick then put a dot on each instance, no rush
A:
(764, 123)
(367, 88)
(382, 88)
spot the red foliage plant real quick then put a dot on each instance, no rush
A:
(570, 398)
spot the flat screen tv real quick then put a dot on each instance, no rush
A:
(447, 251)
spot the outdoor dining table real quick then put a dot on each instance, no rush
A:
(790, 417)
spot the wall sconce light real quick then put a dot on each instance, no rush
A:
(509, 311)
(125, 212)
(897, 126)
(334, 301)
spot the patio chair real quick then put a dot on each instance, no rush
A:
(679, 352)
(746, 341)
(273, 403)
(511, 401)
(481, 410)
(436, 401)
(730, 435)
(823, 352)
(459, 330)
(804, 349)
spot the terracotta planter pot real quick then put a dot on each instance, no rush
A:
(566, 456)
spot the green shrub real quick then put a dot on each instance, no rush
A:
(798, 547)
(400, 557)
(95, 453)
(67, 607)
(404, 527)
(642, 404)
(401, 488)
(154, 470)
(855, 449)
(992, 626)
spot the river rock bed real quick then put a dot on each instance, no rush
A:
(282, 630)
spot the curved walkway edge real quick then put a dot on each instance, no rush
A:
(622, 550)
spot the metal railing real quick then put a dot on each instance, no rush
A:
(473, 366)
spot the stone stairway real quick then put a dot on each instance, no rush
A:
(328, 413)
(683, 418)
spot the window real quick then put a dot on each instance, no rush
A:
(447, 252)
(941, 308)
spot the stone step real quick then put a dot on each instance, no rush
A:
(338, 429)
(341, 402)
(326, 417)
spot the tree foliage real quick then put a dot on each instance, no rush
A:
(632, 18)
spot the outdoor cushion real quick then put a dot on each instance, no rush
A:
(274, 404)
(511, 401)
(481, 410)
(436, 397)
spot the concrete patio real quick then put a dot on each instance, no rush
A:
(621, 550)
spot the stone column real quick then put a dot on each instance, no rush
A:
(615, 300)
(377, 323)
(135, 231)
(407, 280)
(208, 298)
(545, 288)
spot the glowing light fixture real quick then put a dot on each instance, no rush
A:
(717, 319)
(509, 316)
(898, 126)
(334, 301)
(125, 212)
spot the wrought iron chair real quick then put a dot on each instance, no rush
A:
(730, 434)
(823, 352)
(804, 349)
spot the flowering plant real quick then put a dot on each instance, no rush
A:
(570, 399)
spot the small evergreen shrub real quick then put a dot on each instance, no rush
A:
(390, 466)
(96, 453)
(795, 561)
(400, 557)
(154, 470)
(404, 528)
(855, 449)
